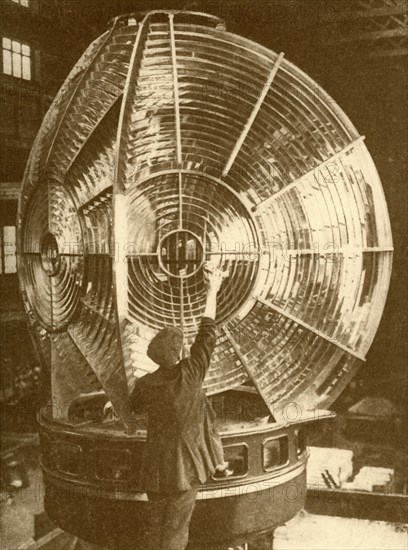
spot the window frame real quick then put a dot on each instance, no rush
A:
(304, 452)
(229, 478)
(57, 448)
(92, 455)
(21, 55)
(278, 466)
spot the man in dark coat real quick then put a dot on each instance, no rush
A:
(183, 447)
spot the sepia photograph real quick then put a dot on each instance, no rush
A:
(203, 270)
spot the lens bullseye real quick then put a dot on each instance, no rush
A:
(50, 258)
(181, 254)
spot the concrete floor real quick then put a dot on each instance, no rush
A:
(311, 532)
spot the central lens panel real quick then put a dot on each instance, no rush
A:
(175, 223)
(180, 254)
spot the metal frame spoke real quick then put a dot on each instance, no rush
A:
(78, 87)
(176, 90)
(249, 371)
(311, 172)
(310, 328)
(253, 115)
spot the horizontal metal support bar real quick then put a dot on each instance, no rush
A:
(141, 254)
(341, 250)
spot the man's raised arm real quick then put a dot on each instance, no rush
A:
(204, 344)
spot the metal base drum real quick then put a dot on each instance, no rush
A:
(91, 478)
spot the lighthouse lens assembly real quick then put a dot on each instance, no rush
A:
(200, 146)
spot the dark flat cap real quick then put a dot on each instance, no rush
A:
(166, 346)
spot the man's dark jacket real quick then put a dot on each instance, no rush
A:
(183, 446)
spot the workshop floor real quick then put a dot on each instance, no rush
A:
(311, 532)
(18, 508)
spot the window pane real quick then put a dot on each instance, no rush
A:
(9, 240)
(275, 453)
(17, 65)
(7, 62)
(24, 3)
(69, 458)
(25, 49)
(7, 43)
(113, 466)
(301, 442)
(9, 232)
(26, 68)
(16, 46)
(237, 458)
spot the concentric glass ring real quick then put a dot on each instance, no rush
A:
(173, 143)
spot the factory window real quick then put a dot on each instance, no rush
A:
(237, 458)
(8, 250)
(16, 59)
(275, 452)
(22, 2)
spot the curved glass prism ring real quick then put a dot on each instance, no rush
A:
(174, 142)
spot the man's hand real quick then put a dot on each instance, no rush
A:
(213, 277)
(109, 412)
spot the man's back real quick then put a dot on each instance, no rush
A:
(182, 447)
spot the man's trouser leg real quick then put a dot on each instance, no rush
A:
(155, 520)
(172, 513)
